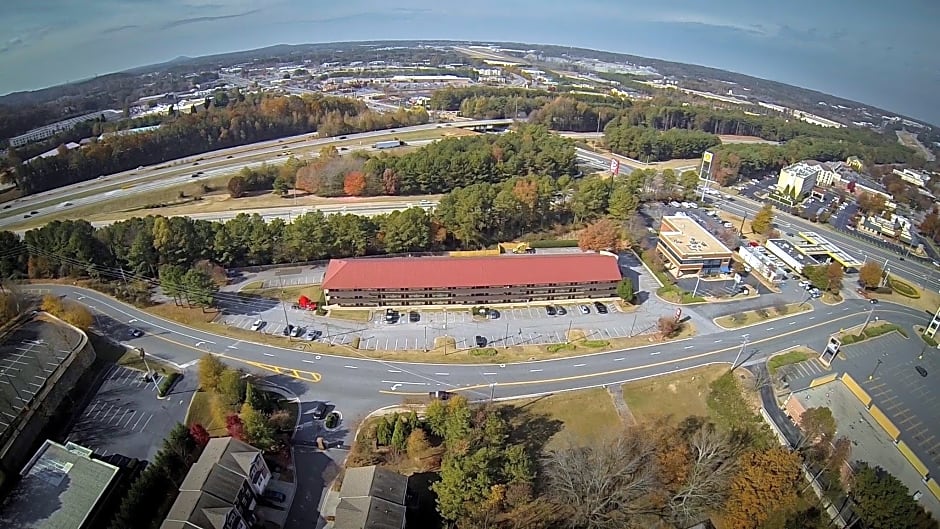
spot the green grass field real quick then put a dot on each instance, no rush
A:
(587, 416)
(675, 396)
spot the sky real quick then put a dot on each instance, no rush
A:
(873, 51)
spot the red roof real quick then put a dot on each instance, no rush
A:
(436, 272)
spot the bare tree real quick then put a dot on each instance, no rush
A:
(605, 486)
(713, 461)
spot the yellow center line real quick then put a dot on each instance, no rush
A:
(628, 369)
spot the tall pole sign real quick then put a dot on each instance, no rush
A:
(614, 166)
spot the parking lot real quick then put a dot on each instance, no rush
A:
(125, 416)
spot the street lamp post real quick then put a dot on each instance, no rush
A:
(868, 319)
(872, 375)
(695, 290)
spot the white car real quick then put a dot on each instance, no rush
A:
(257, 325)
(584, 309)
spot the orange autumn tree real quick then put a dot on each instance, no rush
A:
(604, 234)
(354, 183)
(766, 482)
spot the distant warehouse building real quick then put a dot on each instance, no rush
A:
(471, 281)
(688, 249)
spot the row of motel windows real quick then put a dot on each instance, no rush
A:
(705, 263)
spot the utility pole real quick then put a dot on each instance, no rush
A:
(425, 337)
(150, 374)
(492, 390)
(568, 333)
(633, 326)
(506, 340)
(695, 290)
(741, 229)
(734, 365)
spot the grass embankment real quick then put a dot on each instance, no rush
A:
(588, 416)
(676, 396)
(674, 294)
(751, 317)
(794, 356)
(289, 294)
(359, 315)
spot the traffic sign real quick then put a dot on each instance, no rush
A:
(614, 166)
(678, 314)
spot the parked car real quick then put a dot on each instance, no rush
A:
(562, 311)
(584, 309)
(481, 341)
(440, 394)
(319, 411)
(137, 333)
(414, 317)
(600, 307)
(275, 496)
(391, 316)
(493, 314)
(312, 335)
(550, 310)
(873, 301)
(258, 325)
(921, 371)
(288, 330)
(297, 331)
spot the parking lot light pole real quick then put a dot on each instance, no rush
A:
(872, 375)
(868, 319)
(506, 340)
(695, 290)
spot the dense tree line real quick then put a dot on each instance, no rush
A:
(235, 119)
(488, 158)
(648, 144)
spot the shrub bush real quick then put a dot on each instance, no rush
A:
(167, 383)
(930, 341)
(486, 351)
(556, 347)
(595, 343)
(332, 419)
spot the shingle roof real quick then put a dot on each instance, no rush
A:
(374, 481)
(368, 513)
(449, 272)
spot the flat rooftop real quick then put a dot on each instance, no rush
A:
(788, 248)
(60, 486)
(29, 355)
(690, 237)
(802, 169)
(829, 248)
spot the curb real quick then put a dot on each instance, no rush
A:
(768, 320)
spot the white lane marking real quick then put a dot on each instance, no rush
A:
(770, 328)
(442, 374)
(618, 359)
(688, 347)
(579, 365)
(400, 382)
(717, 341)
(351, 367)
(829, 313)
(792, 323)
(309, 361)
(656, 353)
(812, 317)
(394, 371)
(535, 370)
(268, 354)
(490, 373)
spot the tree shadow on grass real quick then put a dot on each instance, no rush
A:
(529, 428)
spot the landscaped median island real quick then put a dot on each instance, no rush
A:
(754, 317)
(792, 356)
(858, 334)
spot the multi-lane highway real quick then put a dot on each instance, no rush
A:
(175, 172)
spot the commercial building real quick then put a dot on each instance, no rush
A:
(931, 329)
(50, 130)
(894, 226)
(221, 489)
(371, 498)
(472, 280)
(764, 263)
(688, 249)
(790, 255)
(62, 487)
(797, 180)
(917, 178)
(814, 249)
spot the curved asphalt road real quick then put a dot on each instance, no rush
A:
(366, 384)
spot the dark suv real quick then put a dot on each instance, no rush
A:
(550, 310)
(601, 308)
(481, 341)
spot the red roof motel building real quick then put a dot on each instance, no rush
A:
(377, 282)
